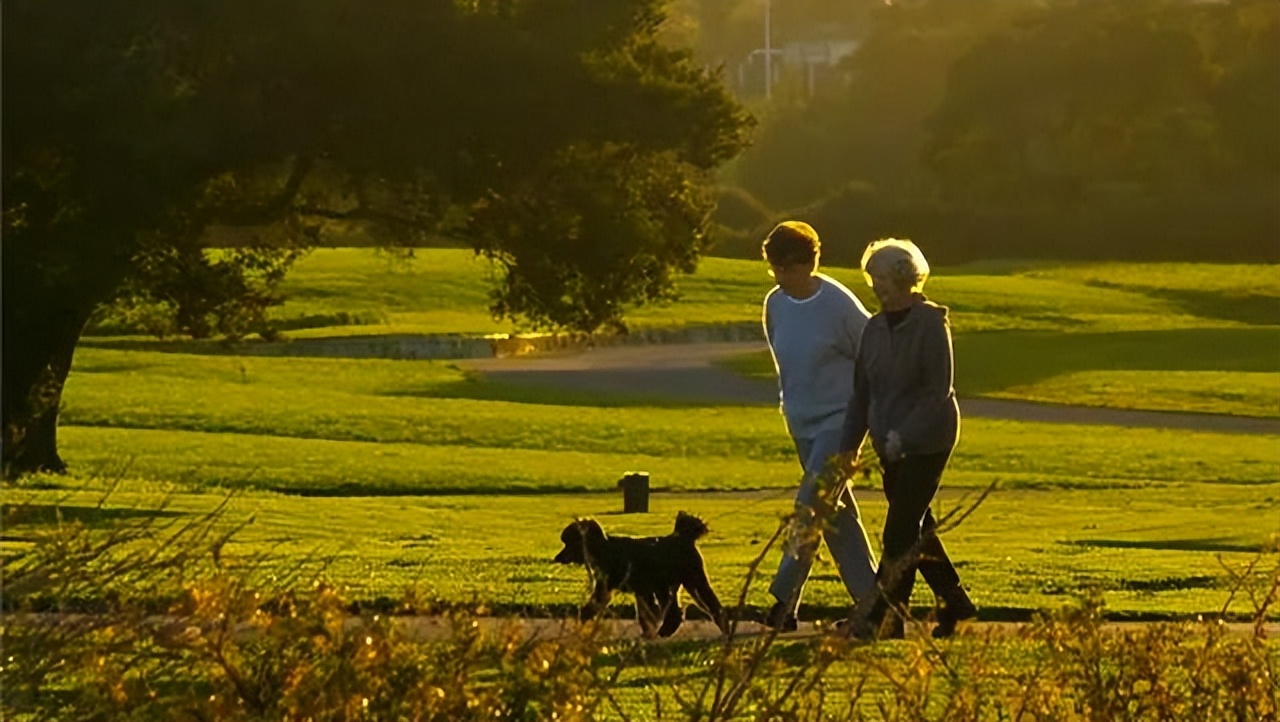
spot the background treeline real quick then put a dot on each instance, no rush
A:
(1145, 129)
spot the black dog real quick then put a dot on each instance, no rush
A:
(653, 568)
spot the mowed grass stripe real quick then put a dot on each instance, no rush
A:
(352, 468)
(365, 400)
(445, 291)
(1016, 455)
(754, 433)
(1234, 393)
(1160, 553)
(987, 363)
(1208, 370)
(1125, 325)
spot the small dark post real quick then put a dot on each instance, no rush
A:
(635, 492)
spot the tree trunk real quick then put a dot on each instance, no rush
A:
(51, 287)
(37, 358)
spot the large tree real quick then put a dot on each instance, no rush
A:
(560, 137)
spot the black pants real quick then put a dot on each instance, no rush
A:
(910, 540)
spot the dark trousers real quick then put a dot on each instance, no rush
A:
(910, 539)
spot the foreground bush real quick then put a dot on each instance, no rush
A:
(145, 618)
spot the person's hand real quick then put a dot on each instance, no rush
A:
(847, 463)
(893, 446)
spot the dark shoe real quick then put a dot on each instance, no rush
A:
(869, 630)
(780, 619)
(877, 622)
(862, 629)
(893, 627)
(956, 608)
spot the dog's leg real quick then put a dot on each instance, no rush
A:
(699, 587)
(647, 614)
(672, 613)
(598, 603)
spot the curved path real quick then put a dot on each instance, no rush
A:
(686, 371)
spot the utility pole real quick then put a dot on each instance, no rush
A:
(768, 51)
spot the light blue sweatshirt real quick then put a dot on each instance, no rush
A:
(814, 342)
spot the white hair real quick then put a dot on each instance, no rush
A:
(900, 259)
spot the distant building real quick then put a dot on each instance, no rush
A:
(814, 60)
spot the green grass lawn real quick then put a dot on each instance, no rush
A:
(1234, 370)
(1184, 337)
(1174, 337)
(340, 292)
(1149, 551)
(1018, 455)
(390, 474)
(393, 474)
(435, 291)
(409, 420)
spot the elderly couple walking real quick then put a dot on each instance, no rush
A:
(843, 375)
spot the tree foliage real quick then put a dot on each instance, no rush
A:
(1147, 92)
(1143, 129)
(872, 127)
(133, 128)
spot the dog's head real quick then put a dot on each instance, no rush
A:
(578, 537)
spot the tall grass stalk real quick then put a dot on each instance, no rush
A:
(84, 639)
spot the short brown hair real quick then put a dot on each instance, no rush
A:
(791, 242)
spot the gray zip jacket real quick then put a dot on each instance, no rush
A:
(903, 382)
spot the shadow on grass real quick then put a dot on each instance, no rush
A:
(109, 368)
(326, 320)
(335, 345)
(623, 608)
(1174, 545)
(1169, 584)
(195, 347)
(1255, 309)
(548, 394)
(482, 491)
(45, 514)
(356, 490)
(995, 361)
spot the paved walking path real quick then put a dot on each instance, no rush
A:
(687, 371)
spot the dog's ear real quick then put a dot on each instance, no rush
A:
(571, 534)
(591, 530)
(690, 527)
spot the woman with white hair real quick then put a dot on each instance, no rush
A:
(904, 398)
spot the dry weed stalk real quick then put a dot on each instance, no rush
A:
(227, 649)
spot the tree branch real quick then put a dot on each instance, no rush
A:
(269, 210)
(362, 213)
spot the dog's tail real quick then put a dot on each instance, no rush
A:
(690, 527)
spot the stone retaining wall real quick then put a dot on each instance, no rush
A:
(459, 347)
